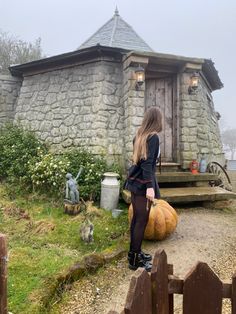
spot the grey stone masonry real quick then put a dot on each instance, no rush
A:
(75, 107)
(134, 108)
(199, 131)
(9, 91)
(96, 105)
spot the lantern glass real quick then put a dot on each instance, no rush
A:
(140, 75)
(195, 80)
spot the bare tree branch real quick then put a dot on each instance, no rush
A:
(16, 51)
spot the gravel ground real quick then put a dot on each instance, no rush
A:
(202, 234)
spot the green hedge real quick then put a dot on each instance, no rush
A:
(24, 158)
(18, 150)
(93, 169)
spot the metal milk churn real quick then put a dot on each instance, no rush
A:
(110, 191)
(202, 164)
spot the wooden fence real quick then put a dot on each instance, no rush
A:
(3, 274)
(154, 293)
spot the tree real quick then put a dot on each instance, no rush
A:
(229, 140)
(17, 51)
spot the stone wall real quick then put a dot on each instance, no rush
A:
(134, 108)
(208, 135)
(77, 106)
(96, 105)
(199, 130)
(9, 91)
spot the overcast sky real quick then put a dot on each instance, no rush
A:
(203, 28)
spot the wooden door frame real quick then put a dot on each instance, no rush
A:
(175, 109)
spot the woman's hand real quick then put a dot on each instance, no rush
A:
(150, 194)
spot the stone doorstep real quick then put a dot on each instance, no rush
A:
(189, 194)
(168, 167)
(170, 177)
(194, 194)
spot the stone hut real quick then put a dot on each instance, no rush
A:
(88, 97)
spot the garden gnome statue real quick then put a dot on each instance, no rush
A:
(72, 193)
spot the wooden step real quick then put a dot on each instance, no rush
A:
(170, 177)
(194, 194)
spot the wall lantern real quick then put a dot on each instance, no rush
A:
(140, 77)
(194, 84)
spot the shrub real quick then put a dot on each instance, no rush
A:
(48, 174)
(93, 169)
(24, 157)
(18, 150)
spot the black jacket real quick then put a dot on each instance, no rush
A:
(148, 166)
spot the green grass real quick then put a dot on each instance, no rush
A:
(39, 252)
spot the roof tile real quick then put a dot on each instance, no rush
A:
(117, 33)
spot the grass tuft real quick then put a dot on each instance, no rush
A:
(43, 242)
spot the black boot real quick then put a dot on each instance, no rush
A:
(145, 256)
(136, 261)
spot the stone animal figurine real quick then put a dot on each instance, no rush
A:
(86, 231)
(72, 193)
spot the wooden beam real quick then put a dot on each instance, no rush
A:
(190, 67)
(227, 291)
(153, 67)
(135, 61)
(170, 268)
(156, 75)
(175, 286)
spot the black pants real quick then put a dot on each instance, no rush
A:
(141, 210)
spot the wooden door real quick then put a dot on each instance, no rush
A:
(159, 92)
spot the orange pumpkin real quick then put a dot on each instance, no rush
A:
(162, 221)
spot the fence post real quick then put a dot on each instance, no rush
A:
(159, 279)
(233, 298)
(3, 274)
(202, 292)
(171, 296)
(139, 299)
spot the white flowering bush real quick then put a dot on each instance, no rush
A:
(26, 160)
(18, 149)
(48, 174)
(93, 170)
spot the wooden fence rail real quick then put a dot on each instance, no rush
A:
(3, 274)
(202, 290)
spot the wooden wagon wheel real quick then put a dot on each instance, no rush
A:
(223, 179)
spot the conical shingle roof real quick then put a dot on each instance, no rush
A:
(117, 33)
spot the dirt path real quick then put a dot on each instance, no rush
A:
(202, 234)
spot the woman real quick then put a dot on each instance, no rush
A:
(145, 153)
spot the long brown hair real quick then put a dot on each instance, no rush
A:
(151, 124)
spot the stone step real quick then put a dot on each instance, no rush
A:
(194, 194)
(169, 167)
(177, 177)
(232, 175)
